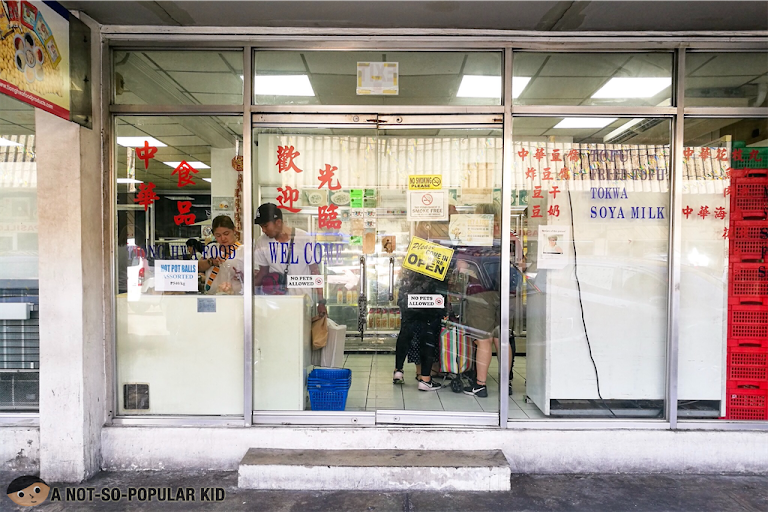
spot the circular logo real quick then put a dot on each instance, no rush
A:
(437, 181)
(426, 199)
(318, 281)
(439, 301)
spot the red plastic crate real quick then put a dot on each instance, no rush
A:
(748, 173)
(748, 342)
(748, 240)
(744, 403)
(748, 283)
(748, 194)
(748, 364)
(747, 322)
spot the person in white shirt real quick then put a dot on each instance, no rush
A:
(283, 250)
(224, 266)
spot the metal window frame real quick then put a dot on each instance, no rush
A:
(508, 42)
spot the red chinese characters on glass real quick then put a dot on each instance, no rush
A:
(722, 154)
(573, 155)
(183, 171)
(327, 217)
(285, 156)
(704, 153)
(523, 153)
(556, 155)
(555, 190)
(554, 210)
(326, 177)
(737, 155)
(725, 233)
(720, 212)
(546, 173)
(146, 195)
(727, 190)
(530, 173)
(753, 156)
(688, 153)
(704, 212)
(184, 217)
(539, 154)
(687, 211)
(146, 153)
(536, 212)
(287, 196)
(537, 193)
(563, 174)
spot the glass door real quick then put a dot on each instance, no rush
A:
(438, 269)
(377, 198)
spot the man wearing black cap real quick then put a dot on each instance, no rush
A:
(283, 250)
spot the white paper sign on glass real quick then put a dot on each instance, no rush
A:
(427, 205)
(378, 78)
(472, 229)
(309, 281)
(176, 275)
(553, 242)
(425, 301)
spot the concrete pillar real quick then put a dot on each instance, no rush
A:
(73, 280)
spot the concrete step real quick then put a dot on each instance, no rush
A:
(395, 470)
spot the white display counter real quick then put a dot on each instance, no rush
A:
(623, 286)
(282, 351)
(191, 360)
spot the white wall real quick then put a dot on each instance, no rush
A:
(20, 449)
(529, 451)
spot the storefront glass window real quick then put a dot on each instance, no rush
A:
(377, 78)
(179, 265)
(355, 202)
(590, 210)
(723, 356)
(726, 79)
(19, 295)
(607, 79)
(167, 77)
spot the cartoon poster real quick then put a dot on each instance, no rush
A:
(34, 54)
(471, 229)
(553, 245)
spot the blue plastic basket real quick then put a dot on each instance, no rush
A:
(328, 388)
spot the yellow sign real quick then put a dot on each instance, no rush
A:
(427, 258)
(425, 182)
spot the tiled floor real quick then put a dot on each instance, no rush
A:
(372, 389)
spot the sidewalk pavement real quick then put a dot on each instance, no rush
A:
(587, 493)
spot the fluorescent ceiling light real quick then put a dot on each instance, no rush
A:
(138, 142)
(626, 126)
(207, 179)
(633, 87)
(476, 86)
(6, 142)
(128, 181)
(479, 86)
(193, 164)
(585, 122)
(180, 198)
(282, 85)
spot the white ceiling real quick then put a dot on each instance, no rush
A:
(505, 15)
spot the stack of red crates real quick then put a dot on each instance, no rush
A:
(747, 385)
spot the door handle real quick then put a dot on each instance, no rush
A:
(391, 278)
(362, 275)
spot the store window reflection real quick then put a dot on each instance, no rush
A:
(179, 265)
(19, 287)
(723, 357)
(590, 214)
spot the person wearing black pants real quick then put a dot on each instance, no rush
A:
(424, 323)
